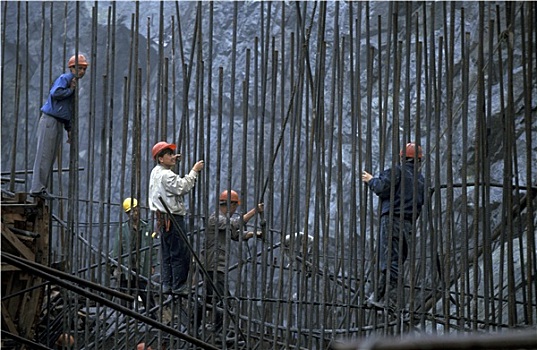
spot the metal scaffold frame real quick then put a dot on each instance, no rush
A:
(289, 116)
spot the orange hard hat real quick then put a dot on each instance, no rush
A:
(81, 61)
(410, 151)
(234, 197)
(160, 146)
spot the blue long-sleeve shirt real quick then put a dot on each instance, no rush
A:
(61, 99)
(381, 186)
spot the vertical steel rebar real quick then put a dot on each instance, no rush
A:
(528, 30)
(295, 114)
(464, 299)
(451, 244)
(18, 82)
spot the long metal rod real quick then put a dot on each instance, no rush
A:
(69, 277)
(302, 103)
(82, 292)
(528, 29)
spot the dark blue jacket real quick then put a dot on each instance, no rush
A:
(381, 186)
(61, 99)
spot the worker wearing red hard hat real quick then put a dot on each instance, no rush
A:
(408, 197)
(165, 184)
(220, 222)
(57, 114)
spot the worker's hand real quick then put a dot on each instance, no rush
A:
(72, 85)
(250, 234)
(366, 176)
(198, 166)
(69, 137)
(177, 157)
(260, 207)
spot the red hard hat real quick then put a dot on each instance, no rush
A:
(410, 151)
(81, 61)
(234, 197)
(160, 146)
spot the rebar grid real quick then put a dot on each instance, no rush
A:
(287, 103)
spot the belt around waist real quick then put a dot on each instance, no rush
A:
(176, 215)
(53, 116)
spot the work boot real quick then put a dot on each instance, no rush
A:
(218, 322)
(43, 194)
(371, 302)
(182, 291)
(375, 298)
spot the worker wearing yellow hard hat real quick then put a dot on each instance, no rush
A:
(135, 252)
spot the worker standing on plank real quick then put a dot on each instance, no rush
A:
(221, 222)
(169, 186)
(408, 183)
(57, 114)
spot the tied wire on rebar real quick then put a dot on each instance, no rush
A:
(288, 115)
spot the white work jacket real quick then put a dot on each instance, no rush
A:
(171, 187)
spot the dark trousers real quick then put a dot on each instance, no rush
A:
(137, 288)
(175, 255)
(400, 231)
(219, 283)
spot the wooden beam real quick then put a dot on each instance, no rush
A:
(21, 248)
(9, 268)
(8, 321)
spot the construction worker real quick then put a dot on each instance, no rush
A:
(166, 185)
(215, 243)
(65, 341)
(57, 114)
(406, 209)
(135, 252)
(143, 346)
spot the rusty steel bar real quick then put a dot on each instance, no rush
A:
(529, 33)
(18, 82)
(301, 103)
(69, 277)
(104, 301)
(465, 298)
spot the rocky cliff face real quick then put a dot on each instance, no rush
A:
(344, 87)
(53, 35)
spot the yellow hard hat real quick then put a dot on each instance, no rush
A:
(129, 203)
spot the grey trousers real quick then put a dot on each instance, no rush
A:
(49, 137)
